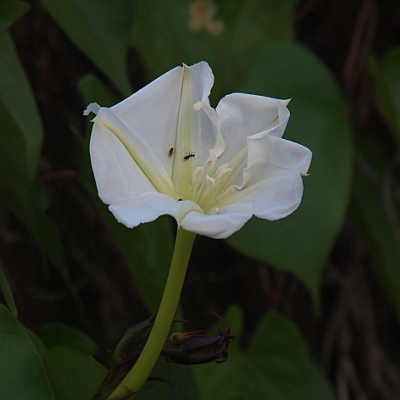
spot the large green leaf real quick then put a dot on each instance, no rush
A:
(7, 294)
(21, 138)
(16, 96)
(375, 211)
(15, 178)
(387, 84)
(31, 212)
(318, 387)
(56, 334)
(11, 11)
(165, 35)
(275, 366)
(22, 374)
(100, 29)
(73, 375)
(301, 243)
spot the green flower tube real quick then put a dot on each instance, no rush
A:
(139, 373)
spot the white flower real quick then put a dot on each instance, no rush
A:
(165, 150)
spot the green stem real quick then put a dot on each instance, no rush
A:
(139, 373)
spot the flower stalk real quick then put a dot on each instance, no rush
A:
(139, 373)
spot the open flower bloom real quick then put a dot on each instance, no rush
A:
(165, 150)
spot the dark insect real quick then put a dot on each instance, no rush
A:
(171, 150)
(189, 155)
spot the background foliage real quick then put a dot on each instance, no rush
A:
(314, 299)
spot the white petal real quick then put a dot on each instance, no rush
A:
(92, 107)
(221, 225)
(241, 115)
(270, 156)
(117, 175)
(272, 184)
(139, 147)
(149, 206)
(277, 198)
(151, 115)
(145, 208)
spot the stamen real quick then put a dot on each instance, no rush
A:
(222, 171)
(210, 181)
(198, 174)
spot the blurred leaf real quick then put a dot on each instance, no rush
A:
(147, 249)
(15, 178)
(94, 91)
(100, 29)
(73, 375)
(302, 242)
(375, 213)
(55, 334)
(318, 387)
(43, 229)
(40, 348)
(24, 199)
(22, 374)
(17, 98)
(11, 11)
(275, 366)
(8, 296)
(165, 34)
(21, 138)
(387, 83)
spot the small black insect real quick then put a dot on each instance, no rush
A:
(189, 155)
(171, 150)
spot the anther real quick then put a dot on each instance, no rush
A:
(198, 174)
(222, 171)
(210, 181)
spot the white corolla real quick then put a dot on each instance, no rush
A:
(165, 150)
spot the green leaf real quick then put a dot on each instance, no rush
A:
(22, 374)
(275, 366)
(375, 212)
(100, 29)
(44, 231)
(17, 98)
(318, 387)
(164, 34)
(40, 347)
(21, 137)
(147, 249)
(302, 242)
(55, 334)
(73, 375)
(15, 178)
(8, 297)
(11, 11)
(387, 83)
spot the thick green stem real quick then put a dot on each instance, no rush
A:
(139, 373)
